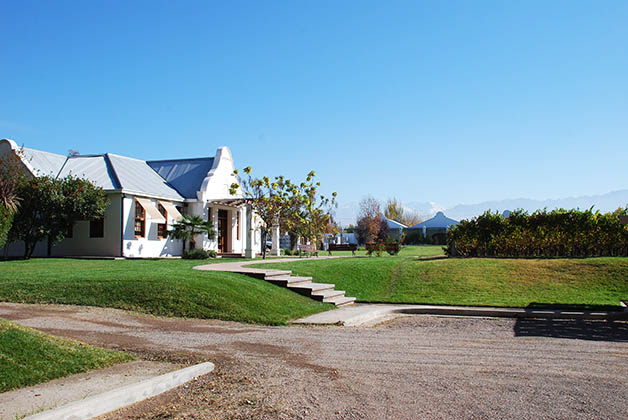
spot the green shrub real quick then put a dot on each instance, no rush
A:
(558, 233)
(197, 254)
(212, 254)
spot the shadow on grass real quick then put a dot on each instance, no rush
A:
(582, 329)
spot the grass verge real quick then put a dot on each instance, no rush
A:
(29, 357)
(590, 282)
(159, 287)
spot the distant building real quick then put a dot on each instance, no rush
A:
(435, 229)
(395, 229)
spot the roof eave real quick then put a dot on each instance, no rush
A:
(148, 195)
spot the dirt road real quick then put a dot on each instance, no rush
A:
(415, 367)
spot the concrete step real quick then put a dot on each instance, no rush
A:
(341, 300)
(277, 273)
(288, 280)
(311, 287)
(326, 295)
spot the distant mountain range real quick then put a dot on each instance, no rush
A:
(346, 212)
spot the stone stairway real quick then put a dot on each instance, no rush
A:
(324, 292)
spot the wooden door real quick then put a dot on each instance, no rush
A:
(223, 230)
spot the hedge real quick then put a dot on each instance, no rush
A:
(558, 233)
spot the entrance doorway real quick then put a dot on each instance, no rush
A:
(223, 231)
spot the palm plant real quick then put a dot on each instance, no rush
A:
(188, 227)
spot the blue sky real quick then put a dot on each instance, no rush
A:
(452, 102)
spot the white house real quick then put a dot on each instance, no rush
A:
(436, 227)
(145, 199)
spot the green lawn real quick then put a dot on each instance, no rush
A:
(29, 357)
(160, 287)
(593, 282)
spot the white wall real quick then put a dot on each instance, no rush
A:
(150, 246)
(82, 244)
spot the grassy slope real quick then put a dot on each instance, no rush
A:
(160, 287)
(29, 357)
(488, 282)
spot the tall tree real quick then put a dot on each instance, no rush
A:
(298, 208)
(50, 207)
(369, 221)
(267, 198)
(313, 213)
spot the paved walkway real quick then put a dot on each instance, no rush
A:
(240, 266)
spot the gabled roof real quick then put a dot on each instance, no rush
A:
(175, 179)
(186, 175)
(438, 221)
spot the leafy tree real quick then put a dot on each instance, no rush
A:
(268, 199)
(50, 207)
(298, 209)
(188, 227)
(309, 214)
(369, 221)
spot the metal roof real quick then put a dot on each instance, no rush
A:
(169, 179)
(43, 163)
(93, 168)
(185, 175)
(135, 176)
(438, 221)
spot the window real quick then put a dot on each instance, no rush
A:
(140, 220)
(238, 225)
(162, 228)
(97, 228)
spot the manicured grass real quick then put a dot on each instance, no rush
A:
(29, 357)
(591, 282)
(160, 287)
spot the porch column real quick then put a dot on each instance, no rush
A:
(424, 232)
(214, 212)
(249, 234)
(274, 251)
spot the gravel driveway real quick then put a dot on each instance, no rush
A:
(414, 367)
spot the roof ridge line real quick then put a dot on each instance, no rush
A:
(112, 170)
(179, 160)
